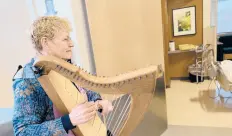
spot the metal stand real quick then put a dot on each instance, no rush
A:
(198, 69)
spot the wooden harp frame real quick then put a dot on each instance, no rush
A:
(57, 79)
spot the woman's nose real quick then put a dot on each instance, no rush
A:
(71, 44)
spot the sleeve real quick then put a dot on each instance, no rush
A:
(93, 96)
(30, 111)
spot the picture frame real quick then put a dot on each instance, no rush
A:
(184, 21)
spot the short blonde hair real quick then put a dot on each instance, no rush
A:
(47, 26)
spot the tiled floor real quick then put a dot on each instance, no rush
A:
(196, 131)
(189, 104)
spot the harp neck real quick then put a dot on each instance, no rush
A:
(141, 78)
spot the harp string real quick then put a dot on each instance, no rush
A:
(109, 115)
(112, 114)
(104, 121)
(114, 111)
(121, 114)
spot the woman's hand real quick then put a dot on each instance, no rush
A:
(82, 113)
(106, 106)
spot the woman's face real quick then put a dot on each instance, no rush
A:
(60, 46)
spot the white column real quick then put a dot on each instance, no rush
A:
(82, 30)
(210, 23)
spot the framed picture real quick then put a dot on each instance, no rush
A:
(184, 21)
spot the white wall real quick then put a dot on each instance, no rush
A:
(15, 45)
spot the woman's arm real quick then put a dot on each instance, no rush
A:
(30, 110)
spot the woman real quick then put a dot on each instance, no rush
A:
(34, 113)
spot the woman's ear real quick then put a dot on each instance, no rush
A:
(44, 43)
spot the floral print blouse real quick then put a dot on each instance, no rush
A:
(33, 110)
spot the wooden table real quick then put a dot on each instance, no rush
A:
(180, 51)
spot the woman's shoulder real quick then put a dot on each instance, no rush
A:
(28, 71)
(26, 77)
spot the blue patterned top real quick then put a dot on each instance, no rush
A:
(33, 110)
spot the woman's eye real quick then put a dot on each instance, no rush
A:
(67, 39)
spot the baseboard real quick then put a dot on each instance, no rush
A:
(186, 78)
(179, 78)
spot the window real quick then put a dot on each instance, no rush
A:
(224, 16)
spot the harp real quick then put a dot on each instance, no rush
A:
(130, 93)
